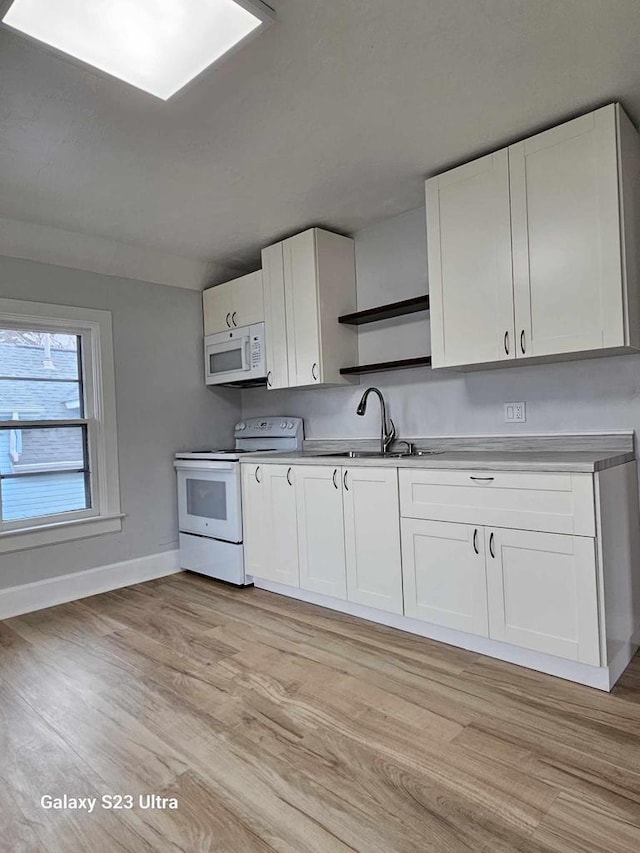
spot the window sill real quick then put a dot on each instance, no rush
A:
(62, 531)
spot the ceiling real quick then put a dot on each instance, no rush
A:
(332, 117)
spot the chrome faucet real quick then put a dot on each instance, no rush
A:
(387, 427)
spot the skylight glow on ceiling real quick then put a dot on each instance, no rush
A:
(155, 45)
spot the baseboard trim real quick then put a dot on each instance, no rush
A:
(28, 597)
(601, 678)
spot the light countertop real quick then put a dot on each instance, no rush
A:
(576, 461)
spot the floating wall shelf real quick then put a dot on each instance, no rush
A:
(385, 312)
(399, 364)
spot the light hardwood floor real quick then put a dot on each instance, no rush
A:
(281, 726)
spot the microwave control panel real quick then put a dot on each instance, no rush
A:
(256, 351)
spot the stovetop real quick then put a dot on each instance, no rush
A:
(267, 434)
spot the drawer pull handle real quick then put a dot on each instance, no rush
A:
(314, 371)
(506, 342)
(289, 477)
(475, 541)
(233, 318)
(483, 479)
(255, 474)
(491, 548)
(344, 480)
(228, 323)
(523, 346)
(335, 481)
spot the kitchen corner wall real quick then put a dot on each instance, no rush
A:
(162, 406)
(596, 394)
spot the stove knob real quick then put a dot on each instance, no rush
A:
(283, 425)
(290, 425)
(241, 426)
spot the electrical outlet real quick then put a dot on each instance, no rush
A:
(515, 413)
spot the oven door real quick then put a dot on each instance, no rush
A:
(227, 356)
(209, 502)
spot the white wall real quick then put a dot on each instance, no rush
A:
(162, 406)
(598, 394)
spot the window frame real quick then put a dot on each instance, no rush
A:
(99, 418)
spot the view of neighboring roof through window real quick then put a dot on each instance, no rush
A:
(43, 469)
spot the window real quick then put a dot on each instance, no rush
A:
(58, 454)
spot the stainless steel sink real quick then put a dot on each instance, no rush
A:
(376, 454)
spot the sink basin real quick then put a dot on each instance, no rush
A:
(376, 454)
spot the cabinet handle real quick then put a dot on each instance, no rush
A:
(228, 323)
(270, 379)
(475, 541)
(491, 549)
(523, 342)
(233, 318)
(314, 371)
(289, 477)
(255, 474)
(344, 480)
(506, 342)
(483, 479)
(335, 475)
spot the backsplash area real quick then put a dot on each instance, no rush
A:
(599, 394)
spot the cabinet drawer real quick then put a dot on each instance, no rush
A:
(555, 503)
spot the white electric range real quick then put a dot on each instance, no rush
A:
(210, 497)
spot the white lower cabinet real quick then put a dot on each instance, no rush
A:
(372, 537)
(321, 530)
(445, 575)
(542, 592)
(280, 562)
(329, 530)
(254, 520)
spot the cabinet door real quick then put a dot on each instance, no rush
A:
(542, 592)
(321, 530)
(372, 537)
(248, 300)
(281, 537)
(469, 253)
(566, 238)
(217, 306)
(254, 507)
(443, 567)
(301, 296)
(275, 317)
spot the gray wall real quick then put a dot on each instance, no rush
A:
(162, 406)
(597, 394)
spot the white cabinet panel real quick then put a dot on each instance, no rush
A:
(301, 298)
(554, 502)
(321, 530)
(254, 520)
(469, 254)
(248, 300)
(281, 533)
(372, 537)
(542, 593)
(217, 306)
(444, 574)
(566, 236)
(275, 317)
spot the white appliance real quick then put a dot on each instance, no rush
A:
(210, 497)
(236, 357)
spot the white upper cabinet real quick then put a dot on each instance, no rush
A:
(309, 282)
(233, 304)
(533, 250)
(470, 278)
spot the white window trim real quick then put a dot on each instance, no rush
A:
(99, 389)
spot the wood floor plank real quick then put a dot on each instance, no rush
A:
(281, 726)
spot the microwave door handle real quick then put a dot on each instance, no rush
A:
(247, 353)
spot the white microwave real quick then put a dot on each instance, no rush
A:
(236, 357)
